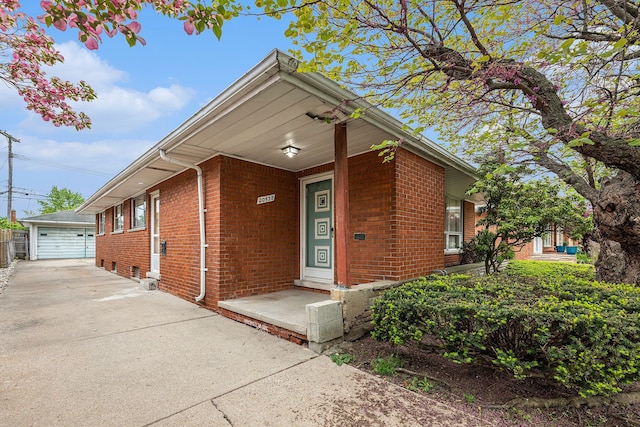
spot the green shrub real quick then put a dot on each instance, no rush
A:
(5, 224)
(582, 258)
(472, 252)
(550, 270)
(583, 334)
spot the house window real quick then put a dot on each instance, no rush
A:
(118, 218)
(453, 224)
(138, 211)
(101, 221)
(547, 239)
(559, 236)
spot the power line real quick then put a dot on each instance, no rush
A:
(26, 194)
(61, 166)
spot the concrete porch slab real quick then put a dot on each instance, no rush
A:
(286, 309)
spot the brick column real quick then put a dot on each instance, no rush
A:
(343, 267)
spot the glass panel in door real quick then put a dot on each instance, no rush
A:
(155, 234)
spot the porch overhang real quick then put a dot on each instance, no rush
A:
(267, 109)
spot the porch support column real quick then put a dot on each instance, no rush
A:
(341, 174)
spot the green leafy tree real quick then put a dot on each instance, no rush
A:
(5, 224)
(61, 199)
(553, 83)
(516, 211)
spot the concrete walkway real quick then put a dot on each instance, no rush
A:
(80, 346)
(553, 256)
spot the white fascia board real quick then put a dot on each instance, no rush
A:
(66, 223)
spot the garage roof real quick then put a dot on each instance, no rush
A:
(62, 218)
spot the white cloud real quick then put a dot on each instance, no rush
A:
(79, 64)
(118, 108)
(81, 167)
(82, 64)
(127, 121)
(9, 98)
(103, 158)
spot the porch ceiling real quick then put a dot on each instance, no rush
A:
(258, 130)
(266, 110)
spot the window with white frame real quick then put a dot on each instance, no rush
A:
(101, 222)
(138, 211)
(559, 236)
(452, 224)
(118, 218)
(547, 239)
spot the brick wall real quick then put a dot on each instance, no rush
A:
(252, 249)
(371, 204)
(255, 249)
(469, 217)
(123, 249)
(211, 173)
(179, 228)
(419, 216)
(525, 252)
(259, 244)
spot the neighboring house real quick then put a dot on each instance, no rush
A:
(547, 243)
(65, 234)
(216, 211)
(539, 245)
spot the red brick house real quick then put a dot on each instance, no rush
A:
(216, 211)
(544, 245)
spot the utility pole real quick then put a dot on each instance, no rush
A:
(11, 139)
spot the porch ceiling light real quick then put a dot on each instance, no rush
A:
(290, 151)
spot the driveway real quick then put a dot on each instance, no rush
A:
(80, 346)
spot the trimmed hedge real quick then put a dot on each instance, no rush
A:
(550, 270)
(537, 318)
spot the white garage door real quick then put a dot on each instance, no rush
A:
(54, 242)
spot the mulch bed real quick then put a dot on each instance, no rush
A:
(480, 390)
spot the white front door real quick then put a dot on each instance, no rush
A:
(317, 228)
(155, 233)
(537, 245)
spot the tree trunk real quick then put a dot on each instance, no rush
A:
(616, 216)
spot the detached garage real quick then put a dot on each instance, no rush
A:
(65, 234)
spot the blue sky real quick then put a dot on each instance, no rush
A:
(144, 92)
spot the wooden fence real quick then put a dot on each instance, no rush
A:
(7, 247)
(13, 243)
